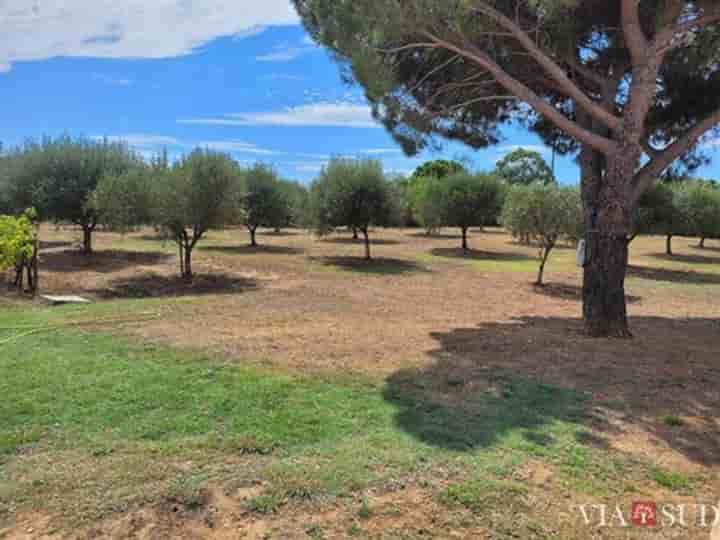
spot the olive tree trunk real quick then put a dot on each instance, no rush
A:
(367, 244)
(187, 266)
(543, 261)
(464, 239)
(87, 239)
(668, 244)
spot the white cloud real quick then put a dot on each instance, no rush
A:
(129, 28)
(5, 67)
(112, 81)
(286, 52)
(237, 147)
(380, 151)
(150, 144)
(142, 140)
(282, 77)
(345, 115)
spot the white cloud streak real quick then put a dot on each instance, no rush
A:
(149, 143)
(347, 115)
(111, 81)
(129, 28)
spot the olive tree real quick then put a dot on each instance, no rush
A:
(628, 86)
(296, 198)
(198, 193)
(699, 205)
(59, 176)
(470, 200)
(427, 202)
(264, 202)
(657, 213)
(352, 193)
(124, 201)
(547, 213)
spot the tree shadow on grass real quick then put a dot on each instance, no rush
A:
(380, 266)
(478, 255)
(280, 233)
(689, 259)
(54, 244)
(501, 381)
(534, 244)
(706, 248)
(673, 276)
(564, 291)
(161, 286)
(105, 262)
(436, 236)
(360, 241)
(253, 250)
(480, 410)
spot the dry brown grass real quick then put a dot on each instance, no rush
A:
(423, 311)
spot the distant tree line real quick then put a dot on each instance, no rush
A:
(91, 183)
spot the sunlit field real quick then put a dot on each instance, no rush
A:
(294, 390)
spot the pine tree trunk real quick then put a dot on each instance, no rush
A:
(604, 304)
(701, 245)
(607, 219)
(668, 244)
(355, 233)
(253, 241)
(367, 244)
(464, 239)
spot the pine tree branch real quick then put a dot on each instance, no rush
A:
(652, 170)
(517, 88)
(549, 65)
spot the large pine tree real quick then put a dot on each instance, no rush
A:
(629, 86)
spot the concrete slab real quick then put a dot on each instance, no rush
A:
(60, 300)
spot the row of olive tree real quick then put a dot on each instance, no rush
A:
(202, 191)
(96, 182)
(545, 213)
(688, 208)
(462, 200)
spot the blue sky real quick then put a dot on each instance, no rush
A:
(234, 75)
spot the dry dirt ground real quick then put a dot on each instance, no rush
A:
(423, 311)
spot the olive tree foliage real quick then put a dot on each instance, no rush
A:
(124, 202)
(657, 213)
(352, 193)
(264, 201)
(59, 175)
(525, 167)
(698, 203)
(199, 192)
(545, 212)
(426, 195)
(297, 199)
(629, 86)
(470, 200)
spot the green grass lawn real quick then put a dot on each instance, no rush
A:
(101, 397)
